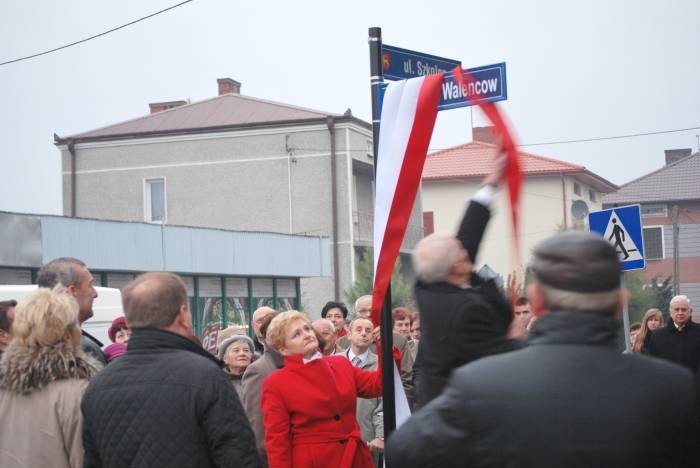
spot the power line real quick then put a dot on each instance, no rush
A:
(617, 137)
(562, 142)
(95, 36)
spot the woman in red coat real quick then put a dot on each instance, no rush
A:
(309, 405)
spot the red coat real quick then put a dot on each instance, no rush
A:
(309, 413)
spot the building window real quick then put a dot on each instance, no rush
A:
(655, 210)
(154, 201)
(237, 302)
(577, 189)
(286, 294)
(211, 310)
(263, 294)
(428, 223)
(15, 276)
(119, 280)
(654, 242)
(591, 195)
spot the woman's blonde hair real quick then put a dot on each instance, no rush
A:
(277, 329)
(45, 317)
(644, 331)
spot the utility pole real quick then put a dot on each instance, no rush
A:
(387, 339)
(676, 260)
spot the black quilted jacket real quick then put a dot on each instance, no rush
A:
(166, 403)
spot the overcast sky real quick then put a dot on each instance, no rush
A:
(576, 69)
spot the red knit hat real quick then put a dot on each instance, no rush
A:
(117, 323)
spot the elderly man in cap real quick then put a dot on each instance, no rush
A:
(582, 402)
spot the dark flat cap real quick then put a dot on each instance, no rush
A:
(577, 261)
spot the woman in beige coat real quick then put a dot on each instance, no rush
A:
(43, 373)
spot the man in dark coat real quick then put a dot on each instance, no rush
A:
(463, 317)
(568, 399)
(166, 402)
(679, 340)
(78, 281)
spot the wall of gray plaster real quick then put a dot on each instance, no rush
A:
(315, 292)
(215, 182)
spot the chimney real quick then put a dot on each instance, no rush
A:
(161, 106)
(228, 86)
(675, 155)
(484, 135)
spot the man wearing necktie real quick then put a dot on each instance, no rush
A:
(370, 414)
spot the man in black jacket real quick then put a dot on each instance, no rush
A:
(569, 399)
(166, 402)
(679, 340)
(463, 317)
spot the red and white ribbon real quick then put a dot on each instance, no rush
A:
(408, 117)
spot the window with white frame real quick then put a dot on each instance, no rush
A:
(654, 210)
(653, 242)
(577, 189)
(370, 149)
(154, 201)
(592, 196)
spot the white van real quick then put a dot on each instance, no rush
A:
(107, 307)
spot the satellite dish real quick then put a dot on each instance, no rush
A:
(579, 209)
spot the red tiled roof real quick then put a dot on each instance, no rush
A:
(475, 159)
(221, 111)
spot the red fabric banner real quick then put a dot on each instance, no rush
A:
(513, 170)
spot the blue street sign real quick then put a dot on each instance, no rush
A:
(622, 227)
(488, 84)
(401, 64)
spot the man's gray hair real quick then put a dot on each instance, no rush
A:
(326, 322)
(680, 297)
(434, 256)
(593, 302)
(60, 271)
(362, 298)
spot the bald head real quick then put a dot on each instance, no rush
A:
(363, 306)
(326, 330)
(259, 317)
(154, 300)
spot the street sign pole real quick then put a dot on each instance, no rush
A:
(388, 395)
(625, 315)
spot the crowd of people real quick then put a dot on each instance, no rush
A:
(540, 382)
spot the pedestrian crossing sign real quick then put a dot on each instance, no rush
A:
(622, 227)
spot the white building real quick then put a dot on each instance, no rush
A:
(551, 190)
